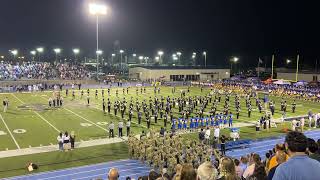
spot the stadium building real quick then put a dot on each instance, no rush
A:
(176, 73)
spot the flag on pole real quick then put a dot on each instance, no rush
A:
(260, 61)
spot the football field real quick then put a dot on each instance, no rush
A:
(29, 122)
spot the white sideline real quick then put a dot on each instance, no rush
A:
(51, 148)
(10, 132)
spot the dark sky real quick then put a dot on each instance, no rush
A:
(225, 28)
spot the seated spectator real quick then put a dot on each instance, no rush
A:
(188, 173)
(313, 150)
(206, 171)
(299, 166)
(273, 162)
(281, 157)
(239, 169)
(227, 169)
(113, 174)
(153, 175)
(254, 160)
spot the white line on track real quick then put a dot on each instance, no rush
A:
(93, 170)
(38, 115)
(86, 120)
(10, 132)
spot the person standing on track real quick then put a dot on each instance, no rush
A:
(120, 127)
(88, 100)
(111, 130)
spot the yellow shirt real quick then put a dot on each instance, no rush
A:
(273, 162)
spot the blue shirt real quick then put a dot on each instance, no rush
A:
(298, 168)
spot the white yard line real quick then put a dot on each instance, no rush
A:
(55, 128)
(86, 120)
(10, 132)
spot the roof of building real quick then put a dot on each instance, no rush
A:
(180, 67)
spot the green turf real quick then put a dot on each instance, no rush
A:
(14, 166)
(74, 112)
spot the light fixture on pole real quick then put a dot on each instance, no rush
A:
(112, 56)
(57, 51)
(140, 59)
(288, 61)
(233, 60)
(76, 51)
(97, 10)
(14, 52)
(39, 50)
(33, 53)
(160, 53)
(179, 55)
(121, 52)
(205, 58)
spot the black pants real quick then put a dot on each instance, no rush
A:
(223, 149)
(111, 134)
(128, 131)
(120, 132)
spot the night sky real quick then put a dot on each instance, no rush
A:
(243, 28)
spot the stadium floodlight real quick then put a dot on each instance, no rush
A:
(76, 51)
(194, 53)
(40, 49)
(235, 59)
(157, 58)
(134, 55)
(140, 57)
(121, 52)
(160, 53)
(57, 50)
(179, 53)
(113, 55)
(99, 52)
(288, 61)
(97, 9)
(14, 52)
(33, 52)
(2, 57)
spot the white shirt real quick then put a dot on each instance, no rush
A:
(111, 126)
(207, 134)
(120, 125)
(128, 124)
(217, 132)
(60, 139)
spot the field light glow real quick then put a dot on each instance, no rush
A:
(97, 9)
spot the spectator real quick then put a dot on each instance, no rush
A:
(244, 163)
(206, 171)
(253, 161)
(239, 169)
(177, 175)
(299, 166)
(313, 150)
(227, 169)
(207, 136)
(281, 157)
(201, 135)
(273, 161)
(153, 175)
(60, 141)
(113, 174)
(188, 173)
(223, 144)
(259, 172)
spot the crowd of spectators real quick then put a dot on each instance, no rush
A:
(41, 70)
(172, 157)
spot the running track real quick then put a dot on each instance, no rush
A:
(134, 168)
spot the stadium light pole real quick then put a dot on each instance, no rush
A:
(140, 59)
(160, 53)
(121, 52)
(194, 54)
(233, 60)
(40, 50)
(179, 55)
(14, 52)
(112, 56)
(288, 61)
(205, 58)
(99, 53)
(57, 51)
(33, 53)
(76, 51)
(97, 10)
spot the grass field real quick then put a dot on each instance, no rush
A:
(29, 121)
